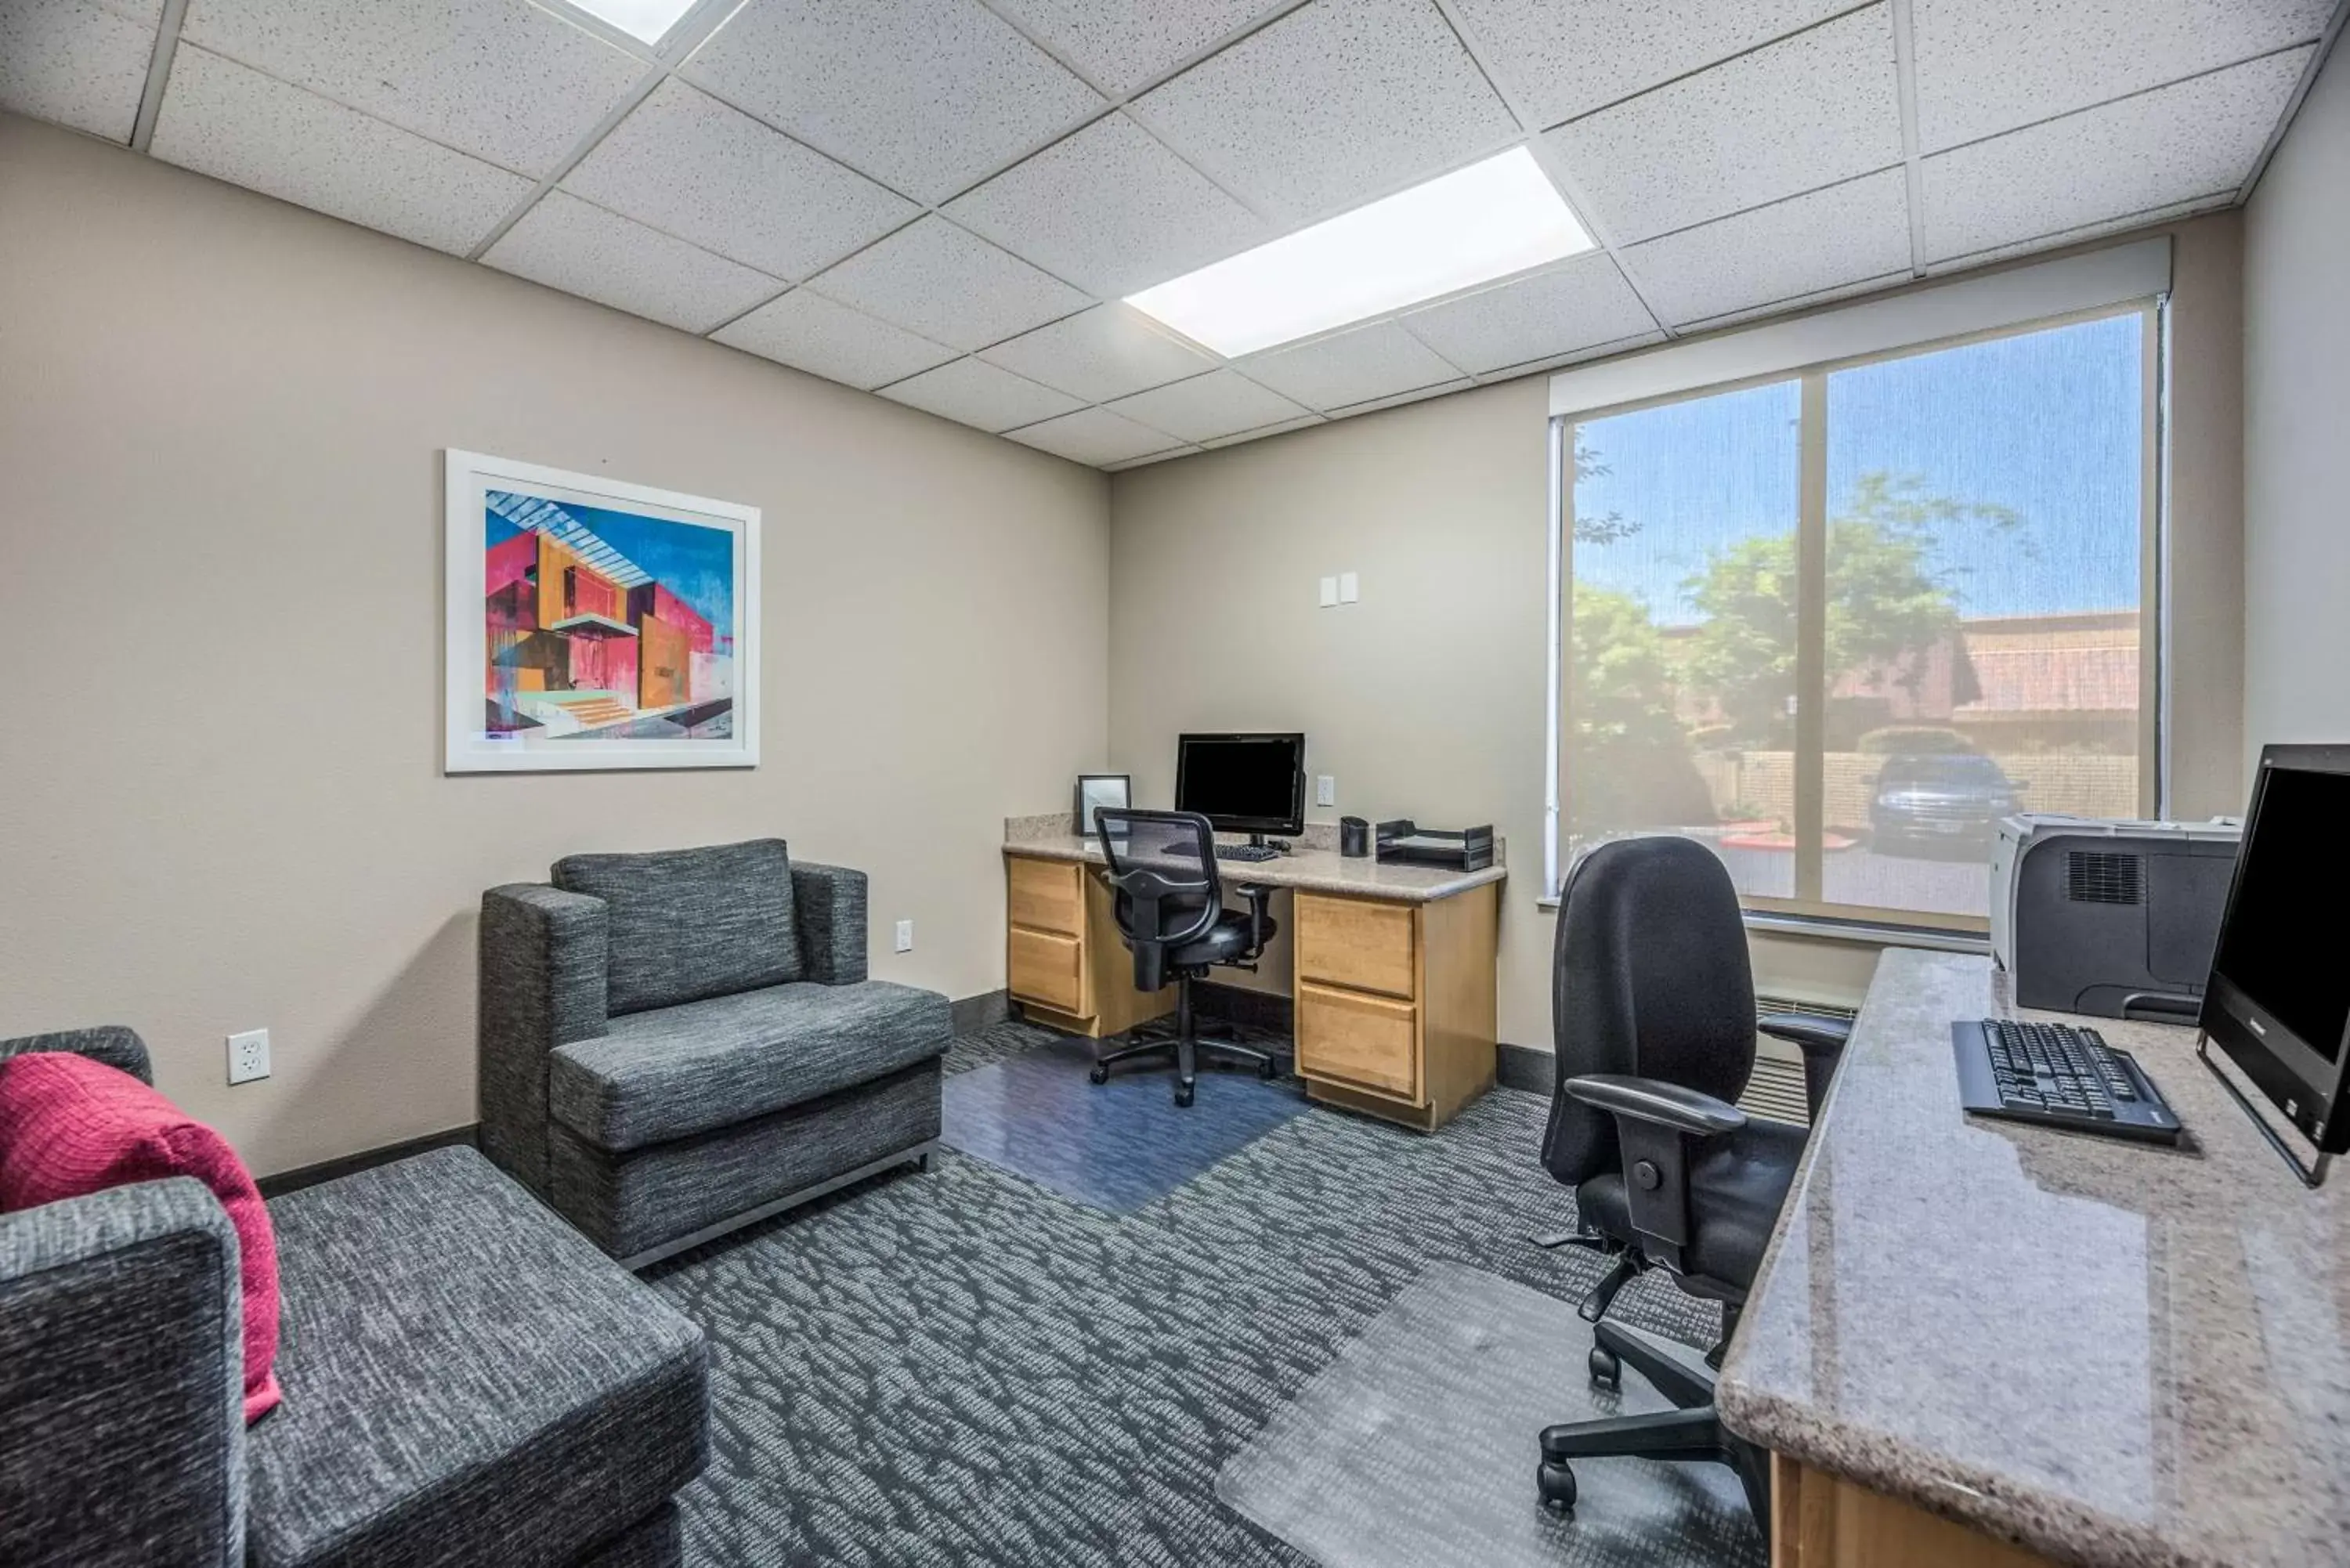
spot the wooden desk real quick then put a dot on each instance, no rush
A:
(1394, 969)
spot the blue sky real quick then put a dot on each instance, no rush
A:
(2045, 422)
(696, 563)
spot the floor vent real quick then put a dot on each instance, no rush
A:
(1776, 1088)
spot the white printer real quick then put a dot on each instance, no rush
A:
(2113, 917)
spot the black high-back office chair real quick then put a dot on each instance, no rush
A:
(1653, 1010)
(1169, 906)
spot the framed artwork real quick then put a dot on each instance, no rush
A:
(1100, 789)
(593, 624)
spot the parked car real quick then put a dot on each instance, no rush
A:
(1946, 803)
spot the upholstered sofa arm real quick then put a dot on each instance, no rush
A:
(122, 1380)
(542, 984)
(828, 902)
(109, 1042)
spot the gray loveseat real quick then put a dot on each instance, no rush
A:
(676, 1044)
(466, 1382)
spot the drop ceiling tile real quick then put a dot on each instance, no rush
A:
(1580, 303)
(2175, 144)
(933, 278)
(1283, 427)
(220, 118)
(1094, 436)
(1790, 117)
(1416, 395)
(974, 393)
(1107, 352)
(1988, 66)
(79, 64)
(1331, 105)
(809, 332)
(1144, 460)
(1579, 357)
(686, 163)
(1122, 44)
(1801, 302)
(2152, 216)
(1353, 366)
(502, 79)
(1566, 57)
(576, 246)
(1823, 240)
(1219, 403)
(926, 95)
(1110, 209)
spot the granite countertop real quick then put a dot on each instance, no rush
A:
(2113, 1354)
(1315, 866)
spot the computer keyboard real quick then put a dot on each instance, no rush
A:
(1251, 852)
(2058, 1075)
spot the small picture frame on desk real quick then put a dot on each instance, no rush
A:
(1114, 790)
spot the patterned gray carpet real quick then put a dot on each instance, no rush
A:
(961, 1367)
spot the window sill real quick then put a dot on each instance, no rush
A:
(1861, 932)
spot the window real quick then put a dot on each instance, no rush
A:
(1835, 624)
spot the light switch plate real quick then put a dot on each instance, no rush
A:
(905, 935)
(248, 1057)
(1349, 588)
(1329, 592)
(1326, 790)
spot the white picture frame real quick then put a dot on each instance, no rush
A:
(624, 635)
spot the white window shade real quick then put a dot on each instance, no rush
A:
(2117, 276)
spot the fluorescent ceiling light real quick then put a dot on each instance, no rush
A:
(1480, 222)
(649, 20)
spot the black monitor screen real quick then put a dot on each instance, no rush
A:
(1243, 782)
(2286, 945)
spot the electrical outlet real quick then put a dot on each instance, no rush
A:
(248, 1057)
(1329, 592)
(1350, 588)
(1326, 790)
(905, 935)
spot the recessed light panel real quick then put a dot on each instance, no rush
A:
(1480, 222)
(649, 20)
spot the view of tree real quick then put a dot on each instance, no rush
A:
(1602, 530)
(1886, 604)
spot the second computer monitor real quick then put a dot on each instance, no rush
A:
(1243, 784)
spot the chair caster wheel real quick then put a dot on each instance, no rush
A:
(1099, 1075)
(1606, 1370)
(1556, 1481)
(1182, 1095)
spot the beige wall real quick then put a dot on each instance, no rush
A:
(221, 807)
(1426, 699)
(2297, 429)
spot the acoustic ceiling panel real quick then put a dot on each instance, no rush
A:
(77, 63)
(1121, 44)
(926, 95)
(933, 278)
(1100, 354)
(1094, 436)
(1821, 240)
(571, 244)
(1219, 403)
(220, 118)
(808, 332)
(687, 164)
(1574, 304)
(1368, 363)
(974, 393)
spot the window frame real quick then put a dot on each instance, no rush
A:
(1813, 916)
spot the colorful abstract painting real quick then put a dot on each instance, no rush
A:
(596, 624)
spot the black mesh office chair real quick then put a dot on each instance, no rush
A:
(1169, 906)
(1653, 1011)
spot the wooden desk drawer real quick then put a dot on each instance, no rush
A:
(1046, 895)
(1358, 1039)
(1045, 968)
(1356, 943)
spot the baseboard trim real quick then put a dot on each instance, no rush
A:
(973, 1013)
(294, 1181)
(1523, 1067)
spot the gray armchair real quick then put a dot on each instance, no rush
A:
(674, 1045)
(465, 1381)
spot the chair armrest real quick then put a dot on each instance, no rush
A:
(122, 1380)
(1655, 1102)
(1822, 1041)
(111, 1043)
(1655, 1123)
(828, 904)
(543, 975)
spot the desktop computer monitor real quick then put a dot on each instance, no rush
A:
(2277, 1002)
(1242, 783)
